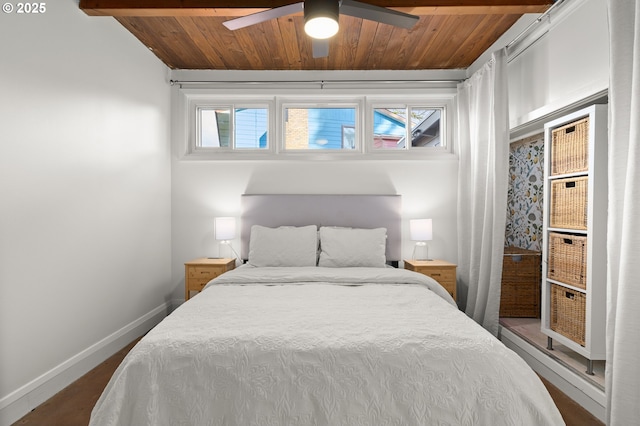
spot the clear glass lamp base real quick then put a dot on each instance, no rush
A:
(421, 251)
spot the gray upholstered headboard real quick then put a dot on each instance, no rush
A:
(357, 211)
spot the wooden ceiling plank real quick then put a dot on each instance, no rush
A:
(203, 41)
(452, 35)
(483, 36)
(446, 41)
(231, 48)
(425, 43)
(175, 36)
(398, 49)
(473, 10)
(218, 42)
(149, 34)
(380, 42)
(292, 49)
(346, 46)
(307, 61)
(367, 34)
(268, 46)
(470, 41)
(421, 42)
(246, 38)
(274, 46)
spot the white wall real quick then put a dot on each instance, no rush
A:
(567, 64)
(559, 65)
(204, 189)
(85, 194)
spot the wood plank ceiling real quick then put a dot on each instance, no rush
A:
(188, 34)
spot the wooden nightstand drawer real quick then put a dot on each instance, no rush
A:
(198, 272)
(203, 272)
(440, 270)
(439, 274)
(197, 284)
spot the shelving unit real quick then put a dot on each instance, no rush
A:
(575, 232)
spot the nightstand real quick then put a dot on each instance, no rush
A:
(198, 272)
(440, 270)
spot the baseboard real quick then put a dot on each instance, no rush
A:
(23, 400)
(575, 387)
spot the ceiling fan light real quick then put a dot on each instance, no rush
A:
(321, 18)
(321, 27)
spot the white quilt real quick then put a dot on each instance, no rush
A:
(322, 346)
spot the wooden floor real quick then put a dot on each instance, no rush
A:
(72, 406)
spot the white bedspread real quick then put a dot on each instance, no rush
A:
(329, 346)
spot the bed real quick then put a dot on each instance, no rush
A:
(317, 329)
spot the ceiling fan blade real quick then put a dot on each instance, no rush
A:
(266, 15)
(378, 14)
(320, 47)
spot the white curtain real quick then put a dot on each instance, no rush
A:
(623, 243)
(483, 150)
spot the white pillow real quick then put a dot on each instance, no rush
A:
(283, 246)
(345, 247)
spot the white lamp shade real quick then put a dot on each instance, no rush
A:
(225, 228)
(421, 230)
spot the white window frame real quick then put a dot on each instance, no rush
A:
(190, 100)
(193, 101)
(198, 134)
(408, 131)
(351, 102)
(443, 103)
(233, 106)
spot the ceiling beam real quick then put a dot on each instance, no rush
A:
(240, 8)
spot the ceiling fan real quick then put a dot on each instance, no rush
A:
(321, 18)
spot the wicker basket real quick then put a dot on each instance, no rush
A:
(568, 313)
(568, 207)
(569, 147)
(568, 259)
(520, 293)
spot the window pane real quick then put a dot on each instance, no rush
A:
(251, 128)
(425, 127)
(389, 128)
(215, 128)
(320, 128)
(348, 137)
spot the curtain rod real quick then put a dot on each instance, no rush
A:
(534, 23)
(320, 82)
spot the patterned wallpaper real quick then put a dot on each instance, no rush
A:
(524, 199)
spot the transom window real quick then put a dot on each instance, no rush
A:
(319, 128)
(393, 127)
(230, 127)
(343, 125)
